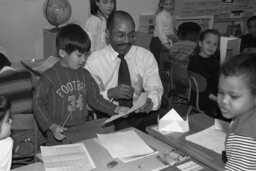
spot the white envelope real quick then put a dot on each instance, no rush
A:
(172, 122)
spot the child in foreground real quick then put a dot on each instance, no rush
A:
(237, 101)
(65, 90)
(6, 142)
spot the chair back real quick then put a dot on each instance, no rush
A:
(198, 84)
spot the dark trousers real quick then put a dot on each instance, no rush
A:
(155, 46)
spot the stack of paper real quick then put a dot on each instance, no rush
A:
(126, 146)
(71, 157)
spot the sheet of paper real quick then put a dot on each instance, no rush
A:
(229, 47)
(124, 144)
(209, 138)
(136, 105)
(69, 157)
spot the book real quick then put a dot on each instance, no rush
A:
(229, 47)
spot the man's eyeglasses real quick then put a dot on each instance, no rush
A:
(130, 36)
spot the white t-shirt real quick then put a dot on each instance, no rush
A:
(6, 145)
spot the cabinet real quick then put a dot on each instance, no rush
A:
(50, 42)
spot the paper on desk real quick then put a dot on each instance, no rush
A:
(172, 122)
(209, 138)
(48, 63)
(124, 144)
(71, 157)
(136, 105)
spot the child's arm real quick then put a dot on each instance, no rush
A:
(40, 103)
(96, 100)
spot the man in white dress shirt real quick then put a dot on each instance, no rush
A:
(143, 69)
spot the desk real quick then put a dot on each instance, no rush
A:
(38, 166)
(101, 157)
(197, 122)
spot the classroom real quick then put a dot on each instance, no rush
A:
(127, 85)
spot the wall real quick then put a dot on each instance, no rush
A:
(22, 22)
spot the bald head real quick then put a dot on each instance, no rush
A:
(119, 16)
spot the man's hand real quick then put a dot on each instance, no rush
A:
(58, 131)
(121, 91)
(146, 108)
(121, 110)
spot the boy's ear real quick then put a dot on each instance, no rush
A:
(62, 53)
(200, 43)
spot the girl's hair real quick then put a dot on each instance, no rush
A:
(5, 105)
(202, 37)
(95, 9)
(242, 64)
(161, 5)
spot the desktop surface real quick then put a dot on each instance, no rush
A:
(197, 122)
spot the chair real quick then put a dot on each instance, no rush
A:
(25, 122)
(198, 84)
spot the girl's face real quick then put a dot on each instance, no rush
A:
(235, 97)
(105, 6)
(6, 127)
(168, 5)
(209, 45)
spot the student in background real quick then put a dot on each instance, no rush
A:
(63, 92)
(164, 34)
(142, 69)
(6, 142)
(248, 41)
(181, 50)
(237, 101)
(96, 24)
(206, 62)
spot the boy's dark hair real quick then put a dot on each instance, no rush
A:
(250, 19)
(5, 105)
(188, 28)
(242, 64)
(95, 9)
(71, 38)
(118, 14)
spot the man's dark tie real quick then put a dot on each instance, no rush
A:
(124, 78)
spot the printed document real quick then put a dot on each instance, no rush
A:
(136, 105)
(68, 157)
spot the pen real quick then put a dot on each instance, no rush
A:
(66, 120)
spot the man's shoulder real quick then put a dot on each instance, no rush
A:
(99, 54)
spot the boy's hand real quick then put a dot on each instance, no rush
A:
(58, 131)
(146, 108)
(122, 91)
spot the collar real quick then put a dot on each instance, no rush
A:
(244, 125)
(114, 54)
